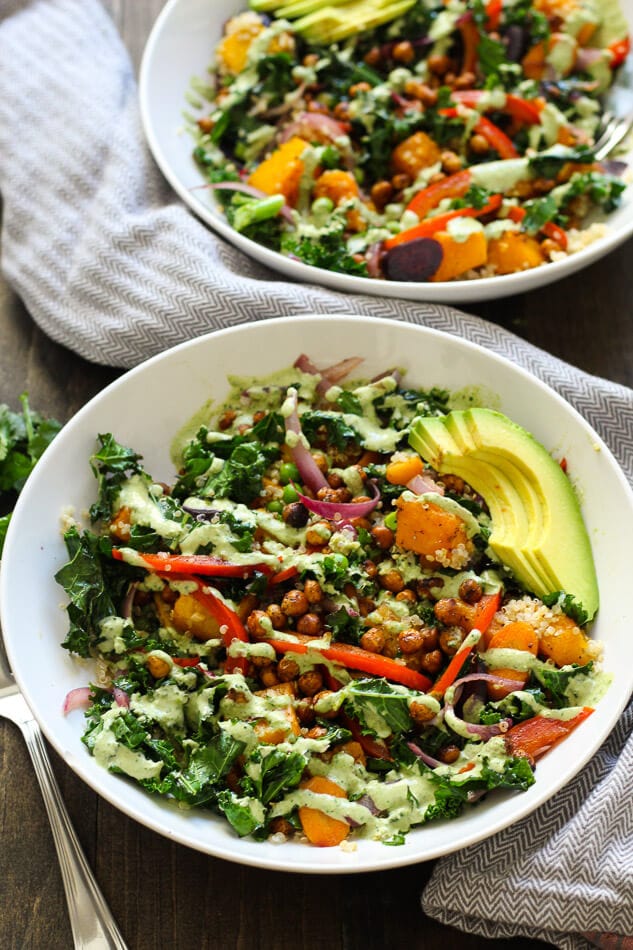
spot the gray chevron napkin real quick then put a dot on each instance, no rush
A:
(112, 266)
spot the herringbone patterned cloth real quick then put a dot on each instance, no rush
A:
(110, 265)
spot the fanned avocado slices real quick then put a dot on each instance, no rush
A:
(336, 20)
(537, 526)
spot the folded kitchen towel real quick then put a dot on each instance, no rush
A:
(112, 266)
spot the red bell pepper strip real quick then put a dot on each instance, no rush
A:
(470, 42)
(494, 9)
(496, 138)
(186, 660)
(196, 563)
(451, 672)
(479, 618)
(231, 627)
(533, 737)
(523, 110)
(374, 747)
(438, 223)
(356, 658)
(619, 50)
(492, 134)
(453, 186)
(284, 575)
(555, 233)
(550, 229)
(481, 614)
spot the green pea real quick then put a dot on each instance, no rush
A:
(290, 494)
(276, 506)
(391, 520)
(322, 206)
(340, 562)
(288, 472)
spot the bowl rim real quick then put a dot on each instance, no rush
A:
(523, 806)
(455, 291)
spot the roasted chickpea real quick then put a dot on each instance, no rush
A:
(432, 662)
(254, 624)
(294, 603)
(478, 144)
(340, 495)
(373, 640)
(381, 193)
(406, 596)
(403, 52)
(310, 683)
(318, 534)
(430, 639)
(383, 536)
(392, 581)
(268, 677)
(420, 713)
(451, 640)
(449, 754)
(401, 181)
(157, 666)
(288, 669)
(281, 826)
(277, 616)
(329, 713)
(313, 592)
(305, 711)
(470, 590)
(227, 419)
(451, 162)
(309, 624)
(411, 640)
(438, 64)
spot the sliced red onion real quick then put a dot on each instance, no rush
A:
(612, 166)
(368, 803)
(128, 601)
(305, 365)
(373, 256)
(285, 211)
(311, 474)
(427, 759)
(201, 514)
(341, 511)
(334, 374)
(481, 731)
(483, 678)
(314, 125)
(78, 698)
(395, 373)
(424, 485)
(121, 698)
(585, 58)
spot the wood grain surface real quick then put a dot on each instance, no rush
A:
(164, 895)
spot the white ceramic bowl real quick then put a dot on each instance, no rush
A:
(148, 405)
(181, 47)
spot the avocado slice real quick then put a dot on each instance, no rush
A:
(537, 525)
(336, 20)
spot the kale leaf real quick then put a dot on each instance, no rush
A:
(241, 476)
(556, 681)
(371, 698)
(92, 583)
(23, 438)
(328, 251)
(112, 465)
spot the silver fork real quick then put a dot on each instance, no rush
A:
(92, 923)
(614, 130)
(617, 118)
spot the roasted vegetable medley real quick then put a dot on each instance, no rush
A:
(450, 141)
(309, 631)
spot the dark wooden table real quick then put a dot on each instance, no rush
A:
(164, 895)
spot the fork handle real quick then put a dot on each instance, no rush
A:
(92, 923)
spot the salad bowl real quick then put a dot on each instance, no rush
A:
(194, 373)
(176, 63)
